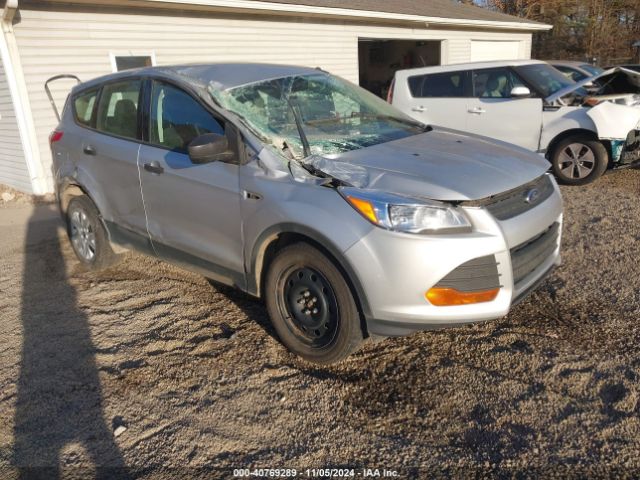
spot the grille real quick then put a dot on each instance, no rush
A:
(527, 257)
(474, 275)
(514, 202)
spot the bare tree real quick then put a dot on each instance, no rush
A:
(593, 30)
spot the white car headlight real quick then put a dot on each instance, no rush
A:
(411, 215)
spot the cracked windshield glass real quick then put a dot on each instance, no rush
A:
(316, 114)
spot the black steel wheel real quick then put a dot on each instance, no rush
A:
(311, 305)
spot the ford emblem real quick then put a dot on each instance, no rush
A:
(532, 196)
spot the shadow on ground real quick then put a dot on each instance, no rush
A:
(59, 416)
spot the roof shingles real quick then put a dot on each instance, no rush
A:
(426, 8)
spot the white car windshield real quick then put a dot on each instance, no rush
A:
(316, 114)
(544, 78)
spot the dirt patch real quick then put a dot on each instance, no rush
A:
(10, 197)
(197, 379)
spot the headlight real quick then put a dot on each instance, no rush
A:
(411, 215)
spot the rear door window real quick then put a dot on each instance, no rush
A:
(449, 84)
(83, 106)
(495, 83)
(118, 109)
(177, 118)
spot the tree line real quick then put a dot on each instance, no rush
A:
(598, 31)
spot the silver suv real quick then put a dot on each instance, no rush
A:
(347, 217)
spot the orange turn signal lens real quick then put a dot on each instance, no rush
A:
(365, 208)
(446, 297)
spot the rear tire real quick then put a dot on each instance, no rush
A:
(88, 235)
(311, 305)
(578, 160)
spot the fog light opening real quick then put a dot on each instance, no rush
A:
(447, 297)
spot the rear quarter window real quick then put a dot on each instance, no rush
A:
(83, 107)
(448, 84)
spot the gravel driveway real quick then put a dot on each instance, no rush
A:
(153, 372)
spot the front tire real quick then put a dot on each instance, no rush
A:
(88, 235)
(311, 305)
(578, 160)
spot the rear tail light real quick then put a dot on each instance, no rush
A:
(55, 136)
(390, 92)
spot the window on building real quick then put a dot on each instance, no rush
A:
(83, 107)
(127, 62)
(177, 118)
(118, 108)
(449, 84)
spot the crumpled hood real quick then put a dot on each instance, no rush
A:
(446, 165)
(631, 77)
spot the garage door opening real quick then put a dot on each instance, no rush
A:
(378, 60)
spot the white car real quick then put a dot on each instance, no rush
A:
(531, 104)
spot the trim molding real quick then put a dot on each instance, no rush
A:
(20, 98)
(255, 265)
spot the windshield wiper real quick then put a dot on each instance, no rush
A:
(303, 136)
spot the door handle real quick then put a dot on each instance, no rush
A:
(477, 110)
(419, 109)
(89, 150)
(153, 167)
(252, 196)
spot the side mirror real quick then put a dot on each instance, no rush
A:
(591, 87)
(520, 92)
(208, 148)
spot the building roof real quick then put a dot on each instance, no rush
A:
(425, 8)
(425, 13)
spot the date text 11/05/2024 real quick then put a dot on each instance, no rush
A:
(315, 473)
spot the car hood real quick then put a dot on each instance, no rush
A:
(632, 80)
(441, 165)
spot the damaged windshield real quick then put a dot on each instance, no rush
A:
(316, 114)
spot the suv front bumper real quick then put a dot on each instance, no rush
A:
(397, 269)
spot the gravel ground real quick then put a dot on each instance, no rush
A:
(195, 376)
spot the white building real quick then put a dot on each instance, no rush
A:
(361, 40)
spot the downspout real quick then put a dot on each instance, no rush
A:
(18, 88)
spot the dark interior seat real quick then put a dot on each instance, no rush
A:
(125, 119)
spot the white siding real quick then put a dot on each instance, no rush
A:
(13, 166)
(488, 50)
(81, 43)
